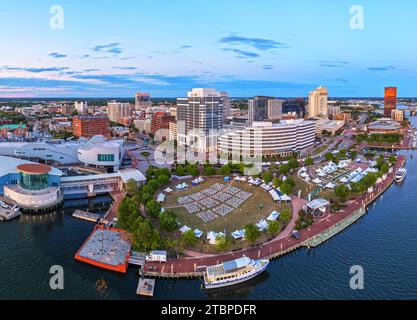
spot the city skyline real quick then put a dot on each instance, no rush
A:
(250, 48)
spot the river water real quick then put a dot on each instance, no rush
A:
(383, 242)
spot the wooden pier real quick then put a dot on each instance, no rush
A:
(88, 216)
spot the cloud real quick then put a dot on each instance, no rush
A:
(109, 48)
(333, 64)
(84, 56)
(127, 58)
(242, 53)
(384, 68)
(35, 70)
(186, 46)
(57, 55)
(258, 43)
(268, 67)
(91, 70)
(125, 68)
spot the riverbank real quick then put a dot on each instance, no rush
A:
(186, 267)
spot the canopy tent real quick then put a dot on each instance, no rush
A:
(160, 198)
(262, 225)
(344, 180)
(304, 175)
(182, 186)
(168, 190)
(317, 181)
(316, 204)
(274, 195)
(184, 229)
(198, 233)
(285, 198)
(330, 185)
(212, 236)
(274, 215)
(238, 234)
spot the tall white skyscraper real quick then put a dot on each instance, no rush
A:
(117, 110)
(317, 103)
(199, 118)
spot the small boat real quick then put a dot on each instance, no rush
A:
(400, 175)
(233, 272)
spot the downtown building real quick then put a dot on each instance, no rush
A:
(117, 111)
(266, 139)
(390, 100)
(200, 117)
(87, 126)
(317, 103)
(142, 101)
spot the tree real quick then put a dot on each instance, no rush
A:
(209, 170)
(162, 179)
(267, 176)
(286, 188)
(251, 232)
(342, 192)
(277, 182)
(153, 208)
(329, 156)
(353, 154)
(168, 221)
(127, 213)
(189, 237)
(273, 227)
(222, 242)
(293, 164)
(392, 159)
(131, 187)
(309, 161)
(284, 169)
(285, 215)
(225, 170)
(145, 237)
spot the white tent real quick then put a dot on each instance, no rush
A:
(317, 181)
(344, 180)
(198, 233)
(304, 174)
(273, 216)
(330, 185)
(274, 195)
(160, 198)
(285, 198)
(262, 225)
(184, 229)
(212, 236)
(168, 190)
(238, 234)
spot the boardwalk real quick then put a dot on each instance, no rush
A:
(117, 196)
(194, 266)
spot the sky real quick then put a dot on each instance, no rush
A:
(103, 48)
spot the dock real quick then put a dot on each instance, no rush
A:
(88, 216)
(137, 258)
(146, 287)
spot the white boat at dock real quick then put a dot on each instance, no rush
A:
(9, 213)
(400, 175)
(233, 272)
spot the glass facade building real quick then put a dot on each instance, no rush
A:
(33, 181)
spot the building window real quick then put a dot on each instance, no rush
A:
(105, 157)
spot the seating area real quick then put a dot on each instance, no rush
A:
(214, 201)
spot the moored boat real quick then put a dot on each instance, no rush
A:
(233, 272)
(400, 175)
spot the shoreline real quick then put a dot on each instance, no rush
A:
(189, 267)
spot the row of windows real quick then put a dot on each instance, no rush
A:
(105, 157)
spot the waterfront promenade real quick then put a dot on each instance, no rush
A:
(281, 245)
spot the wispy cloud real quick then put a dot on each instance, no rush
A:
(242, 53)
(333, 63)
(268, 67)
(258, 43)
(57, 55)
(125, 68)
(109, 48)
(186, 46)
(383, 68)
(35, 70)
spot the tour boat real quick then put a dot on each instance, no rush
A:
(400, 175)
(233, 272)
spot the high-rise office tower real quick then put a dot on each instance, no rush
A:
(275, 109)
(142, 101)
(317, 103)
(227, 105)
(390, 100)
(295, 106)
(258, 108)
(117, 110)
(199, 118)
(89, 126)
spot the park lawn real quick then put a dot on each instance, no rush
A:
(248, 212)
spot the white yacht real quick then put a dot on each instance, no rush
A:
(233, 272)
(400, 175)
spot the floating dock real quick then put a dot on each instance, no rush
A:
(88, 216)
(146, 287)
(137, 258)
